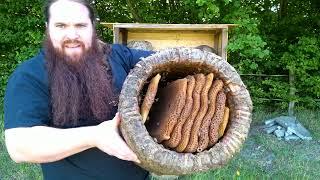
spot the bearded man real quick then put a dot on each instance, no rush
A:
(60, 106)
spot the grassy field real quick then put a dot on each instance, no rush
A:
(262, 156)
(10, 170)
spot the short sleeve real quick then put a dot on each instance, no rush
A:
(131, 56)
(122, 60)
(26, 102)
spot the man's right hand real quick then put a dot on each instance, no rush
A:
(41, 144)
(108, 139)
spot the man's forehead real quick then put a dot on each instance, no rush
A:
(68, 12)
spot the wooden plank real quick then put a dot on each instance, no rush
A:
(116, 35)
(211, 31)
(224, 43)
(216, 43)
(166, 39)
(169, 26)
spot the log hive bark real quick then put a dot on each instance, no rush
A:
(174, 64)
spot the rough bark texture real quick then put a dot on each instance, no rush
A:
(180, 62)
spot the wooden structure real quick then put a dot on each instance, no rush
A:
(176, 61)
(163, 36)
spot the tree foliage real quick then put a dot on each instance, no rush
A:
(272, 37)
(21, 31)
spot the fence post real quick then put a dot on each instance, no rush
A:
(292, 92)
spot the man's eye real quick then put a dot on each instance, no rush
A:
(60, 26)
(81, 25)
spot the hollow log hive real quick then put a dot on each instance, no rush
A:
(199, 111)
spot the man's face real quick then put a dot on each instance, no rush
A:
(70, 28)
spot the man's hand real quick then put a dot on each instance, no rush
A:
(108, 139)
(41, 144)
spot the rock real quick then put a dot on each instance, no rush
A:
(289, 130)
(286, 121)
(291, 137)
(270, 130)
(287, 133)
(292, 126)
(162, 177)
(270, 122)
(279, 133)
(300, 131)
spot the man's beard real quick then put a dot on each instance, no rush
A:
(80, 86)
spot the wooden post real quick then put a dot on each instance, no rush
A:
(216, 44)
(116, 35)
(292, 92)
(224, 43)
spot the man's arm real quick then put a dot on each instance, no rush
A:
(41, 144)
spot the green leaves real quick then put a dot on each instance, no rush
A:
(21, 33)
(263, 42)
(303, 58)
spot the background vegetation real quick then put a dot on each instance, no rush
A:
(272, 37)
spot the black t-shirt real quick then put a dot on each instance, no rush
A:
(27, 104)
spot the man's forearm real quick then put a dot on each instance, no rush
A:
(42, 144)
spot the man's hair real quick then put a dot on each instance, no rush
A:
(83, 2)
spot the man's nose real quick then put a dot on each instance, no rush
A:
(72, 33)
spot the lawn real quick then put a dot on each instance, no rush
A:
(262, 156)
(9, 170)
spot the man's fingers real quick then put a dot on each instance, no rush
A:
(117, 119)
(128, 158)
(126, 152)
(114, 145)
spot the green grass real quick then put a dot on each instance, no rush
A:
(9, 170)
(262, 156)
(265, 157)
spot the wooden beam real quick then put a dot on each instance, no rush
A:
(169, 26)
(216, 43)
(116, 34)
(224, 43)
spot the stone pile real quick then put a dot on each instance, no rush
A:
(287, 128)
(191, 113)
